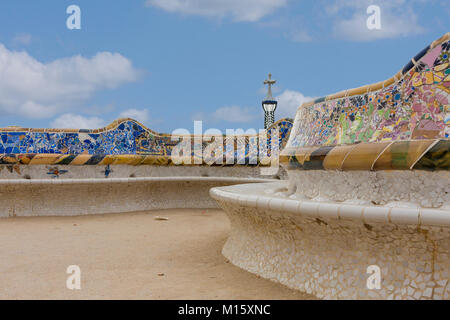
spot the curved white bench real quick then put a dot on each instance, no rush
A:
(68, 197)
(325, 248)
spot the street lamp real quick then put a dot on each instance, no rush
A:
(269, 104)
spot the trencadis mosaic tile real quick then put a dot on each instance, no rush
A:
(390, 125)
(125, 141)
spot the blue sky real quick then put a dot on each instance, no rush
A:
(169, 62)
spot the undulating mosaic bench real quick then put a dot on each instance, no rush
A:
(123, 167)
(368, 188)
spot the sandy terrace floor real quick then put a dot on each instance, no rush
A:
(126, 256)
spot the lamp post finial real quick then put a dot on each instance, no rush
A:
(270, 83)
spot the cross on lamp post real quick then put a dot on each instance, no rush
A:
(269, 104)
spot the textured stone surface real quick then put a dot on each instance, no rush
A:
(324, 248)
(391, 188)
(329, 257)
(78, 190)
(82, 198)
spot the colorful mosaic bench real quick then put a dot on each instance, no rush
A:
(402, 123)
(125, 141)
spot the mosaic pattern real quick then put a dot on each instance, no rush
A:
(329, 257)
(126, 138)
(380, 125)
(399, 155)
(125, 141)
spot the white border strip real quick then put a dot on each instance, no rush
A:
(314, 209)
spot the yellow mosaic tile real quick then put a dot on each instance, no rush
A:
(335, 158)
(363, 156)
(402, 155)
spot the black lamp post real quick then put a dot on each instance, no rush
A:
(269, 104)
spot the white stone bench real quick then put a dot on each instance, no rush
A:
(67, 197)
(325, 248)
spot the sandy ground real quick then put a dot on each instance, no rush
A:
(126, 256)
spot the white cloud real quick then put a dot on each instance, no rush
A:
(140, 115)
(288, 103)
(238, 10)
(22, 39)
(75, 121)
(300, 36)
(398, 19)
(33, 89)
